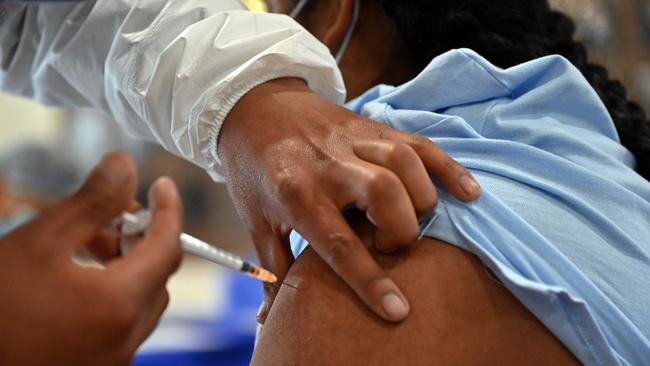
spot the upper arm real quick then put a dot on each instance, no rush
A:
(458, 316)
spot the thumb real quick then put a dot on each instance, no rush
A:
(275, 255)
(108, 190)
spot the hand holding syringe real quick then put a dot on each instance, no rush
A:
(136, 223)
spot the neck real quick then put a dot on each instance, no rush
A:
(376, 54)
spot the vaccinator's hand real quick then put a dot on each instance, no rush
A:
(294, 161)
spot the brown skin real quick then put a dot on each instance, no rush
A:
(459, 316)
(101, 316)
(54, 312)
(376, 54)
(293, 161)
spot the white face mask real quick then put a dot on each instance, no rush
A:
(348, 36)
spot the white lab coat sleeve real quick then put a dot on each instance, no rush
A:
(168, 71)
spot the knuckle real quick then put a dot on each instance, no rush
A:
(401, 155)
(419, 142)
(389, 243)
(288, 185)
(337, 170)
(374, 282)
(451, 165)
(427, 203)
(120, 159)
(95, 199)
(427, 200)
(339, 247)
(381, 184)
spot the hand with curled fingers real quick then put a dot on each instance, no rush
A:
(294, 161)
(56, 312)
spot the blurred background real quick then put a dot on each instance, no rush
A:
(46, 152)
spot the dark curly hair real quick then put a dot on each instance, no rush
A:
(509, 32)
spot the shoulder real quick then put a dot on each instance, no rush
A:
(457, 310)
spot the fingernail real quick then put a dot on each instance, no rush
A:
(154, 191)
(372, 221)
(261, 312)
(113, 171)
(470, 186)
(394, 306)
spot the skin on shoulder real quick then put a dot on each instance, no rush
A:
(459, 315)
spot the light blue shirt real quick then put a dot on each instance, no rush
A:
(563, 219)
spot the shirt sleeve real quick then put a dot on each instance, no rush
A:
(168, 71)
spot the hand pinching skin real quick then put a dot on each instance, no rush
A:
(304, 160)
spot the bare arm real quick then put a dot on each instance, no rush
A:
(459, 316)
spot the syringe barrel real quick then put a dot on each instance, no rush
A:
(202, 249)
(136, 223)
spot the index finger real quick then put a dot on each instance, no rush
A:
(334, 241)
(453, 175)
(154, 258)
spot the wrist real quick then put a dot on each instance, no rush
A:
(250, 114)
(277, 86)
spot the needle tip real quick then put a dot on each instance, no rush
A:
(262, 274)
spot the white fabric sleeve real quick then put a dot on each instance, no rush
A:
(168, 71)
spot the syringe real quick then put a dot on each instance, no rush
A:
(136, 223)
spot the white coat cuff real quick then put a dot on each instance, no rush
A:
(304, 58)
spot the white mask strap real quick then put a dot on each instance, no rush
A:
(348, 36)
(298, 8)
